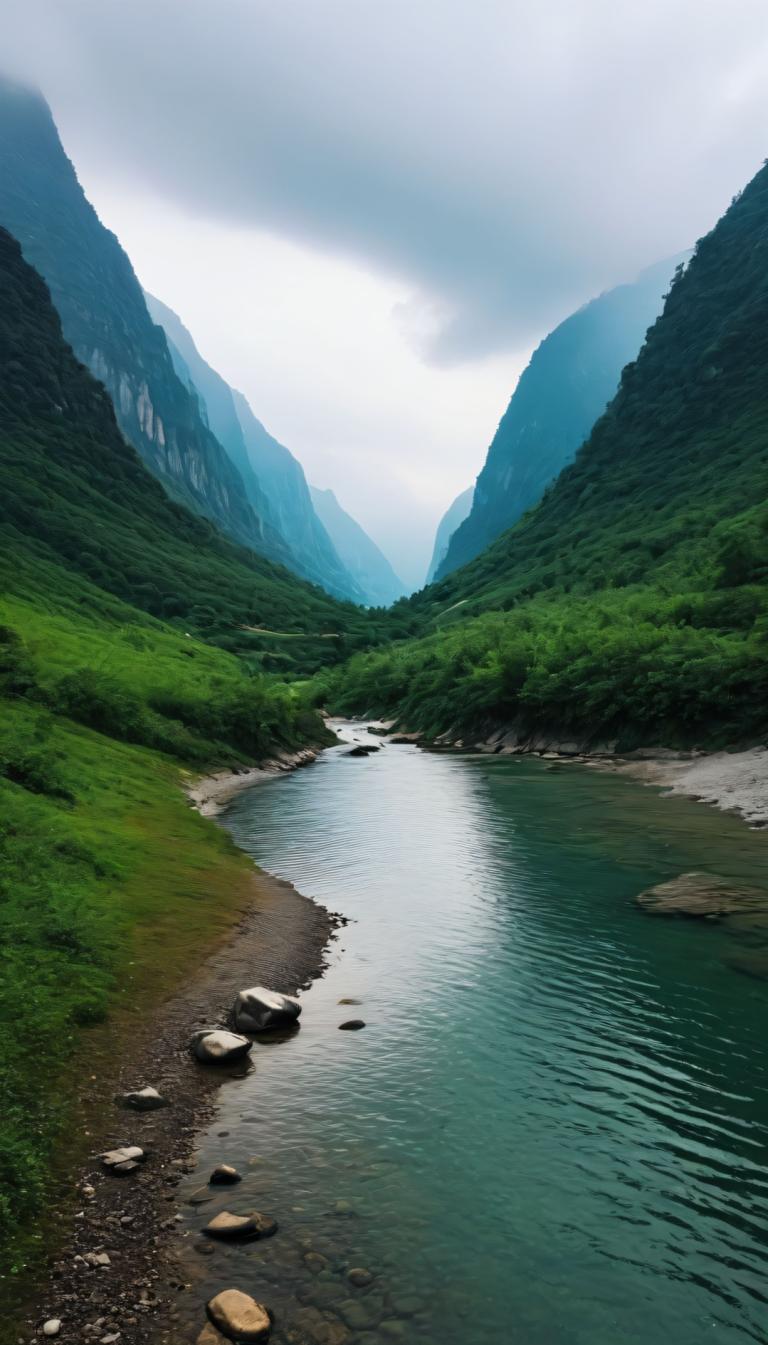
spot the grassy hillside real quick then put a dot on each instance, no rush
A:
(110, 698)
(634, 599)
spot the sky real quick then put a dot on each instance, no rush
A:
(369, 214)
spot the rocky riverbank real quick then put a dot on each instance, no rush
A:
(114, 1279)
(211, 794)
(734, 781)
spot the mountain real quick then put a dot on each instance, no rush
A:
(267, 468)
(632, 602)
(568, 383)
(453, 516)
(106, 321)
(365, 562)
(78, 506)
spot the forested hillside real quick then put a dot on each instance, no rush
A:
(105, 320)
(568, 383)
(111, 692)
(633, 601)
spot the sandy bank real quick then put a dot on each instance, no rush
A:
(211, 794)
(733, 781)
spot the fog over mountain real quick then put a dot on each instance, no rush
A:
(326, 146)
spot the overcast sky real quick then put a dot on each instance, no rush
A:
(369, 212)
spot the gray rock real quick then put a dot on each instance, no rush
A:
(351, 1025)
(218, 1046)
(52, 1327)
(703, 896)
(123, 1160)
(259, 1008)
(143, 1099)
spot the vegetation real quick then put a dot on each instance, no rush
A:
(633, 600)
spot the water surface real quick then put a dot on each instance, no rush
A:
(554, 1127)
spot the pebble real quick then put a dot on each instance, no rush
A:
(359, 1276)
(52, 1327)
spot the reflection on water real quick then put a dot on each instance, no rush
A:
(553, 1127)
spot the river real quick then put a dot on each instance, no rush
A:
(553, 1128)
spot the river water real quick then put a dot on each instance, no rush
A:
(553, 1129)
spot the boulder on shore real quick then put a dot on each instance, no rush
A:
(258, 1009)
(217, 1046)
(123, 1160)
(703, 896)
(241, 1227)
(143, 1099)
(239, 1317)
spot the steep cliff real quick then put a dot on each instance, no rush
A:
(568, 383)
(273, 477)
(105, 320)
(368, 565)
(452, 518)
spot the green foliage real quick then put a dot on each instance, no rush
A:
(633, 601)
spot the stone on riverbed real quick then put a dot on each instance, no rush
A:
(217, 1046)
(143, 1099)
(258, 1009)
(703, 896)
(241, 1226)
(52, 1327)
(224, 1175)
(239, 1317)
(123, 1160)
(359, 1276)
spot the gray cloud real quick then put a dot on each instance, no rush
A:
(507, 160)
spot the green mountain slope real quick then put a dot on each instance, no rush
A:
(634, 599)
(111, 887)
(263, 463)
(368, 565)
(568, 383)
(105, 320)
(454, 515)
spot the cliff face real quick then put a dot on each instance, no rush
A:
(565, 388)
(452, 518)
(105, 320)
(274, 479)
(368, 565)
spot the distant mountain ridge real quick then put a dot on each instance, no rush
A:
(106, 321)
(368, 565)
(451, 520)
(268, 468)
(570, 379)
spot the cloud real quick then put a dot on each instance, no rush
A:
(504, 160)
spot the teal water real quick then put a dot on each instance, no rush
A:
(554, 1127)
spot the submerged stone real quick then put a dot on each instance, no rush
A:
(702, 896)
(241, 1226)
(351, 1025)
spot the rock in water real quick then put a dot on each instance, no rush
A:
(351, 1025)
(358, 751)
(224, 1175)
(239, 1317)
(143, 1099)
(360, 1277)
(217, 1046)
(241, 1226)
(259, 1008)
(702, 896)
(123, 1160)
